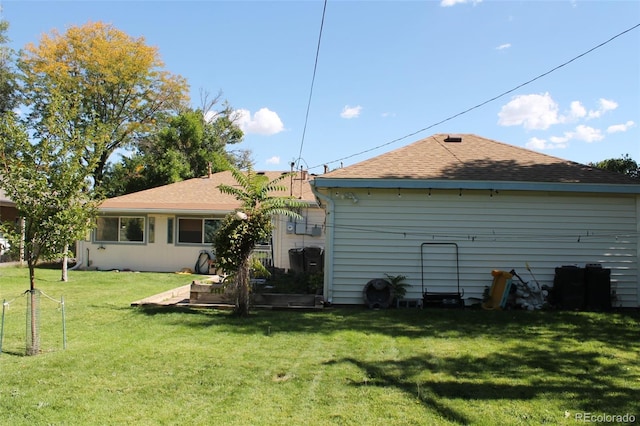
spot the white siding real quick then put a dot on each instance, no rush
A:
(283, 241)
(382, 233)
(161, 256)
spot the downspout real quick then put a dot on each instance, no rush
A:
(328, 244)
(79, 256)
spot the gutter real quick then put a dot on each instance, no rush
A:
(394, 183)
(328, 244)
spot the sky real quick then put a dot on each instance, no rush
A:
(561, 77)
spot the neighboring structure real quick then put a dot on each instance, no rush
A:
(449, 208)
(166, 229)
(8, 213)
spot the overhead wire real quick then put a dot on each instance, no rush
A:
(482, 103)
(313, 79)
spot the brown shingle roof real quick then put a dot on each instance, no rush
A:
(200, 194)
(475, 158)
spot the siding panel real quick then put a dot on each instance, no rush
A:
(383, 233)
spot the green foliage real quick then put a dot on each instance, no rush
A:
(625, 165)
(187, 146)
(47, 181)
(243, 229)
(99, 82)
(291, 282)
(398, 285)
(236, 238)
(7, 72)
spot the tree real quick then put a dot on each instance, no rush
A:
(242, 230)
(625, 165)
(47, 181)
(190, 145)
(114, 82)
(7, 73)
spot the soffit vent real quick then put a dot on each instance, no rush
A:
(453, 138)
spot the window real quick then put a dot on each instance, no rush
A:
(120, 229)
(197, 231)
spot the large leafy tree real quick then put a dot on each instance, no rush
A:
(189, 145)
(242, 230)
(625, 165)
(47, 181)
(7, 73)
(115, 83)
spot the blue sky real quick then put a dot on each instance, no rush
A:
(389, 71)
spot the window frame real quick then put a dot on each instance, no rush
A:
(202, 220)
(118, 230)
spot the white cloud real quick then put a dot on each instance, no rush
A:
(263, 122)
(350, 112)
(210, 116)
(587, 134)
(531, 111)
(388, 114)
(503, 46)
(604, 106)
(560, 141)
(448, 3)
(617, 128)
(536, 143)
(577, 110)
(542, 144)
(273, 160)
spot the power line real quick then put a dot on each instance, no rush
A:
(313, 79)
(482, 103)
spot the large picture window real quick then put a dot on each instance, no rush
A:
(120, 229)
(197, 231)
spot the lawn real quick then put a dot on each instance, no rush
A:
(339, 366)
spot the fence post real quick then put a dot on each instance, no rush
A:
(4, 306)
(64, 325)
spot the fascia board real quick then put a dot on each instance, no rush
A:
(470, 185)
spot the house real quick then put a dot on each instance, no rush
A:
(8, 213)
(166, 229)
(448, 209)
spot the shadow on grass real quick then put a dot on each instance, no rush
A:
(553, 372)
(619, 330)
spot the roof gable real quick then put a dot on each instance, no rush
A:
(474, 158)
(200, 195)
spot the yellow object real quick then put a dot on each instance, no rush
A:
(499, 291)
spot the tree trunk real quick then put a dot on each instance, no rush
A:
(65, 262)
(33, 349)
(243, 287)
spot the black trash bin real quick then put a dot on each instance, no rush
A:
(598, 288)
(313, 259)
(296, 259)
(569, 287)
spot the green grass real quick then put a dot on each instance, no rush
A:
(165, 366)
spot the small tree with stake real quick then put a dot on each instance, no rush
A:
(47, 182)
(242, 230)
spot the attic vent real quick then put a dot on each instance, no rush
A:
(453, 138)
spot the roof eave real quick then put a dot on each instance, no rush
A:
(479, 185)
(145, 211)
(176, 211)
